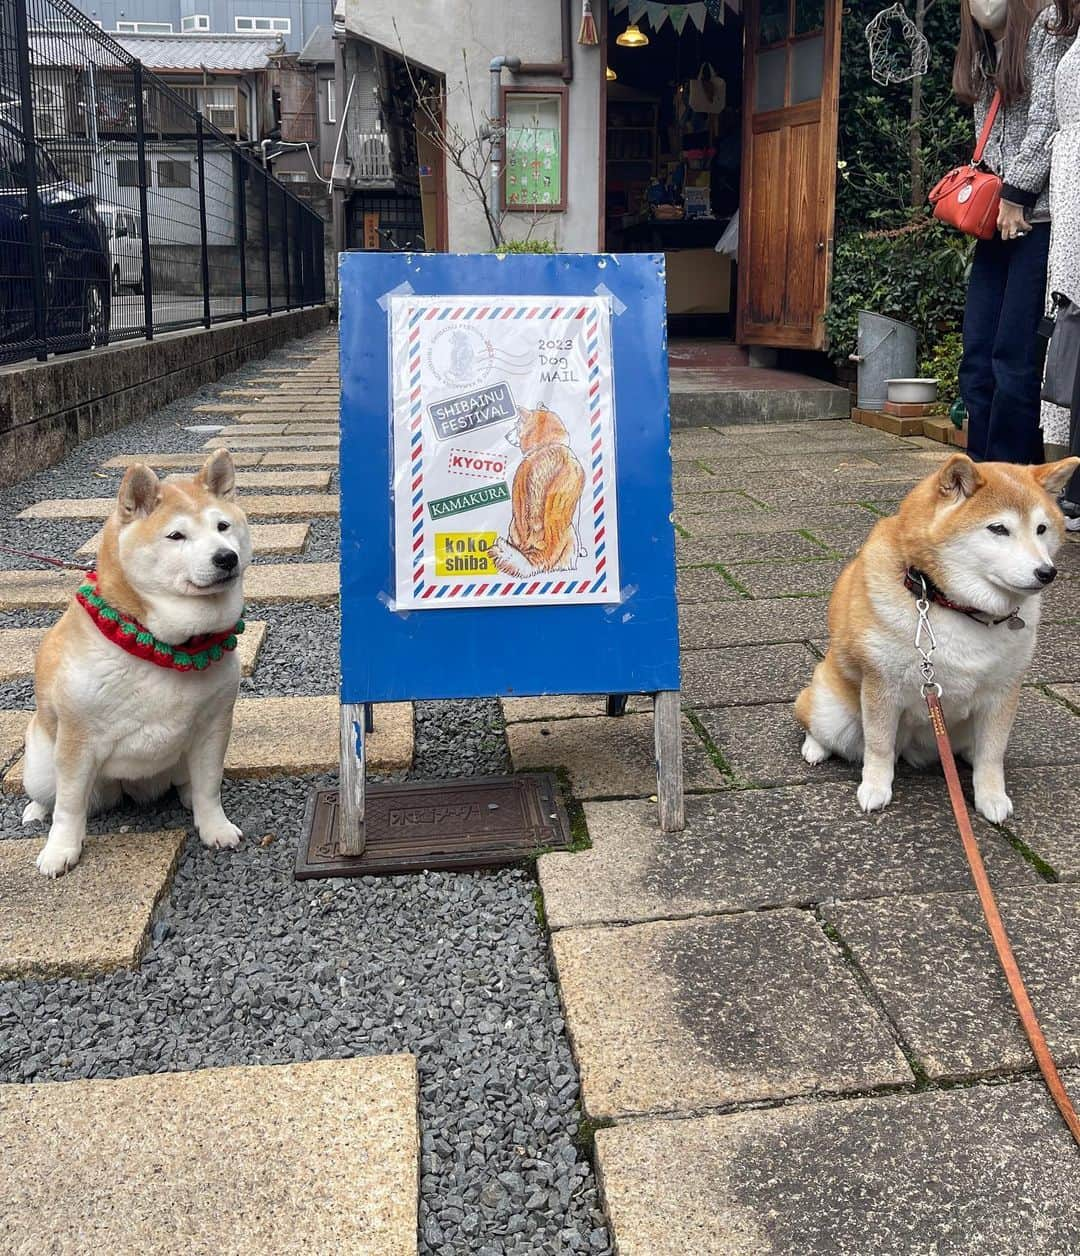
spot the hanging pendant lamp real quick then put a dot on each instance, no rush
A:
(632, 37)
(610, 75)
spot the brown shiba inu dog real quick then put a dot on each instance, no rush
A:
(982, 538)
(547, 489)
(119, 709)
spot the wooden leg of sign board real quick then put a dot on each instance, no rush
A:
(351, 834)
(667, 728)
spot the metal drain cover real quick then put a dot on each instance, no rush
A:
(481, 822)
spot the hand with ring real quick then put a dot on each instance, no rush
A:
(1011, 221)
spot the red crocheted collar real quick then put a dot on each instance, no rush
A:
(193, 655)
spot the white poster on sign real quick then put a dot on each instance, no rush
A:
(503, 451)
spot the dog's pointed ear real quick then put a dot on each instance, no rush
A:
(1053, 476)
(218, 475)
(140, 492)
(959, 477)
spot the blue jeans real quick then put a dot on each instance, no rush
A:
(1001, 370)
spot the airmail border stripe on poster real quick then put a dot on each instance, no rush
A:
(504, 588)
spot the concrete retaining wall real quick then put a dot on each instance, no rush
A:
(47, 408)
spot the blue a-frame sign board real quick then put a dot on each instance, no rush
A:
(631, 646)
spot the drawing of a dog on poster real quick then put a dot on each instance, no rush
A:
(546, 494)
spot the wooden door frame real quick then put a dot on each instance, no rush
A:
(827, 112)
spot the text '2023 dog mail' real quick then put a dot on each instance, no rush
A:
(504, 423)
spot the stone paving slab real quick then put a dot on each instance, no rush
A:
(300, 458)
(676, 1017)
(963, 1172)
(280, 429)
(821, 523)
(12, 732)
(567, 706)
(746, 674)
(606, 757)
(317, 583)
(744, 621)
(19, 647)
(770, 580)
(783, 547)
(761, 744)
(273, 442)
(268, 540)
(1047, 817)
(93, 919)
(932, 964)
(705, 584)
(174, 462)
(314, 1157)
(37, 590)
(1057, 656)
(749, 849)
(256, 506)
(264, 741)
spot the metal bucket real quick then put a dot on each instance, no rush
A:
(886, 351)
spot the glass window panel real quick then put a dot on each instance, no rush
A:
(809, 16)
(807, 69)
(773, 22)
(771, 79)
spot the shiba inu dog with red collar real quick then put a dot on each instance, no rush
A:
(977, 541)
(135, 684)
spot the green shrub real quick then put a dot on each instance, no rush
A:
(917, 275)
(525, 246)
(942, 362)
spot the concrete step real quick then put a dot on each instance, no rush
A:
(966, 1172)
(256, 506)
(746, 395)
(315, 1157)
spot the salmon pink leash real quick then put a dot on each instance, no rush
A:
(926, 643)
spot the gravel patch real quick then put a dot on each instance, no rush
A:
(248, 966)
(299, 653)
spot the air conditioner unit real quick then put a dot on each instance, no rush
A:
(223, 119)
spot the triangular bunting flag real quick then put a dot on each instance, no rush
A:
(617, 6)
(678, 15)
(697, 15)
(637, 10)
(657, 13)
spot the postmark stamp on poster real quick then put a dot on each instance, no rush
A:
(517, 392)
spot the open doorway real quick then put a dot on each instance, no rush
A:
(673, 158)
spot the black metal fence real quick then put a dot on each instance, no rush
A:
(123, 211)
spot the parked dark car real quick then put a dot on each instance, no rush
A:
(75, 256)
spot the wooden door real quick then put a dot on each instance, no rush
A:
(790, 104)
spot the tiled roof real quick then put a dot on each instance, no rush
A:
(194, 52)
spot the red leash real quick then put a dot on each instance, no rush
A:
(43, 558)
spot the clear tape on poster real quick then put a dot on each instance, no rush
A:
(502, 438)
(402, 290)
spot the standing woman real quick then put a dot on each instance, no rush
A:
(1007, 46)
(1065, 240)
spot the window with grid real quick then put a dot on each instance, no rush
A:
(144, 28)
(278, 25)
(195, 22)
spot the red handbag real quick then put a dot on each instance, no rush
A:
(968, 198)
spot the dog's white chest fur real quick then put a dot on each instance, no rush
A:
(973, 662)
(147, 716)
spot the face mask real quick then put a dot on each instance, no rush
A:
(989, 14)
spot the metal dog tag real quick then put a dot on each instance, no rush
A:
(1014, 623)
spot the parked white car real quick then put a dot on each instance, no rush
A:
(125, 246)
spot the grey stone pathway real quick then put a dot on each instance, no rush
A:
(788, 1019)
